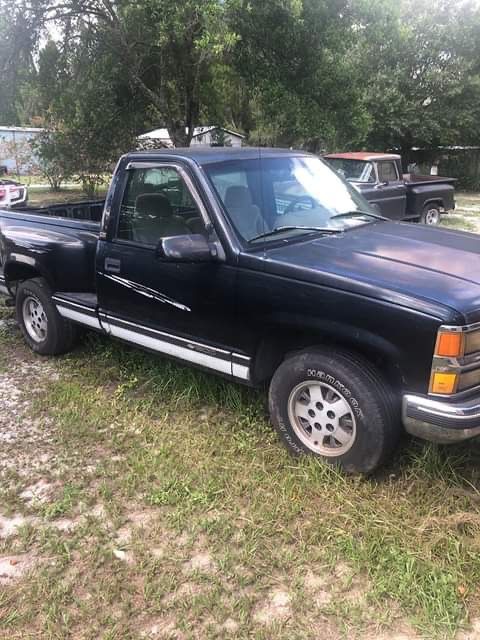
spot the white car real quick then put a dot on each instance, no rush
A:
(12, 193)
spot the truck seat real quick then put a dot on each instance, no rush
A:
(154, 219)
(244, 214)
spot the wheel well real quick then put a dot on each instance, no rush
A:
(273, 349)
(17, 272)
(438, 202)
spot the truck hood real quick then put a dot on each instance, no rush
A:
(434, 270)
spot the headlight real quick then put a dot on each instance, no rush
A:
(472, 341)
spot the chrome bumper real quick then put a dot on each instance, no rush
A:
(443, 422)
(3, 287)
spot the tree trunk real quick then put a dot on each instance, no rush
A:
(179, 134)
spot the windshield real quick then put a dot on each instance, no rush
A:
(353, 170)
(279, 198)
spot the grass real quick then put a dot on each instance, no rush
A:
(467, 213)
(195, 458)
(174, 512)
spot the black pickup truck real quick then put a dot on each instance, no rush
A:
(266, 267)
(396, 195)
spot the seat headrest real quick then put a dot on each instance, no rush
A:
(237, 196)
(153, 204)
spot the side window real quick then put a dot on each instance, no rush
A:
(157, 203)
(387, 171)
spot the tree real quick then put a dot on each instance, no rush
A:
(88, 120)
(166, 49)
(294, 57)
(20, 29)
(420, 67)
(55, 161)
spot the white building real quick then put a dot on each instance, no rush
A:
(208, 136)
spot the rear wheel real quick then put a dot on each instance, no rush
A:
(334, 405)
(430, 215)
(43, 328)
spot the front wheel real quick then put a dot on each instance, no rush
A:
(334, 405)
(430, 215)
(43, 328)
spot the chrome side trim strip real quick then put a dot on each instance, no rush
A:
(77, 316)
(68, 303)
(233, 364)
(236, 365)
(3, 287)
(168, 348)
(240, 371)
(155, 333)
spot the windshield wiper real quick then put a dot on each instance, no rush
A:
(354, 214)
(274, 232)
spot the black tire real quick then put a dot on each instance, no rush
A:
(375, 427)
(58, 335)
(431, 215)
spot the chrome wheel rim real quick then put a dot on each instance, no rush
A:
(35, 319)
(322, 418)
(432, 216)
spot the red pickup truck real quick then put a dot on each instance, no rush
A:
(398, 196)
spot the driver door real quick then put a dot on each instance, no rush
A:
(390, 195)
(182, 309)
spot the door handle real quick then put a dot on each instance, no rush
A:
(112, 265)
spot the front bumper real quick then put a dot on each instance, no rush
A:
(443, 422)
(3, 287)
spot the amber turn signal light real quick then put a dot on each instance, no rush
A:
(449, 344)
(444, 383)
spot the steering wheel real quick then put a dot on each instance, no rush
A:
(294, 204)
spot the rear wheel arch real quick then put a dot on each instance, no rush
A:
(16, 272)
(434, 201)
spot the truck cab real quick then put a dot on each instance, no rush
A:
(397, 196)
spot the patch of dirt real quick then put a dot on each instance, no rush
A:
(163, 628)
(470, 634)
(41, 491)
(201, 562)
(185, 592)
(123, 556)
(65, 524)
(275, 608)
(230, 626)
(13, 568)
(137, 520)
(9, 526)
(320, 588)
(26, 446)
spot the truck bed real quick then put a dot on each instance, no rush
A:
(85, 210)
(417, 180)
(58, 241)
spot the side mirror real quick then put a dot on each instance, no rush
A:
(186, 248)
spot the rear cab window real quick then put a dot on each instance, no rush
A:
(387, 171)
